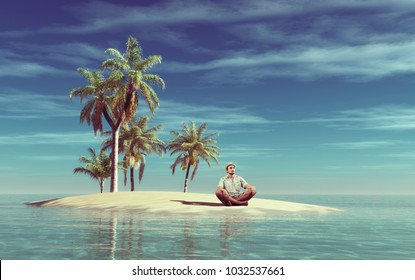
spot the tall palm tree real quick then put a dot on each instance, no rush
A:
(116, 97)
(191, 145)
(98, 167)
(136, 142)
(100, 92)
(130, 79)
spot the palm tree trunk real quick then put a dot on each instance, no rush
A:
(114, 166)
(101, 185)
(187, 178)
(132, 178)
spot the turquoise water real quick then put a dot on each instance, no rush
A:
(370, 227)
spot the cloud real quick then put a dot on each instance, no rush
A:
(269, 39)
(63, 138)
(366, 62)
(72, 53)
(410, 155)
(49, 158)
(230, 152)
(236, 119)
(13, 64)
(382, 118)
(100, 16)
(32, 60)
(172, 115)
(318, 49)
(360, 145)
(22, 69)
(395, 168)
(20, 105)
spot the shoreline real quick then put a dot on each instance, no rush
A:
(166, 203)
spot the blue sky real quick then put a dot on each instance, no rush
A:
(308, 97)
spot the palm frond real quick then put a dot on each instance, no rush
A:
(85, 171)
(148, 62)
(133, 53)
(149, 96)
(179, 160)
(96, 117)
(86, 112)
(154, 80)
(195, 167)
(141, 169)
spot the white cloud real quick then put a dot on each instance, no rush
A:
(383, 118)
(361, 145)
(10, 68)
(410, 155)
(98, 16)
(49, 158)
(230, 152)
(31, 60)
(363, 62)
(73, 53)
(171, 115)
(13, 64)
(352, 50)
(368, 168)
(27, 105)
(101, 15)
(63, 138)
(235, 119)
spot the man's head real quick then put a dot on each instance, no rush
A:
(230, 168)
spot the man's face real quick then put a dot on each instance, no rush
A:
(231, 170)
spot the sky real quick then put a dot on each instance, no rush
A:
(308, 97)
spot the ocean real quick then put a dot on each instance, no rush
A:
(368, 228)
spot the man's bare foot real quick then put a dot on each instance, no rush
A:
(241, 203)
(244, 203)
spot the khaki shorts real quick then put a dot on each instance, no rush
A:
(235, 195)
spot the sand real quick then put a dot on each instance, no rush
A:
(166, 203)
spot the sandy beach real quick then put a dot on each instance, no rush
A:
(166, 203)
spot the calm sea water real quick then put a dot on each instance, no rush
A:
(369, 228)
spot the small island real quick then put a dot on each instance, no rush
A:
(173, 203)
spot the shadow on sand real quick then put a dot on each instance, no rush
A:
(40, 203)
(200, 203)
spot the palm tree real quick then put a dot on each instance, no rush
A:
(116, 97)
(98, 167)
(99, 91)
(129, 78)
(136, 142)
(192, 145)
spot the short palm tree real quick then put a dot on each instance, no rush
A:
(191, 145)
(98, 167)
(130, 79)
(136, 142)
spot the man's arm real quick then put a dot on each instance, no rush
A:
(249, 187)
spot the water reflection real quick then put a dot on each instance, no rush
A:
(116, 235)
(234, 232)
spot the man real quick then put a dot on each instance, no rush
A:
(233, 190)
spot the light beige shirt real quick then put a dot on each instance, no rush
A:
(233, 186)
